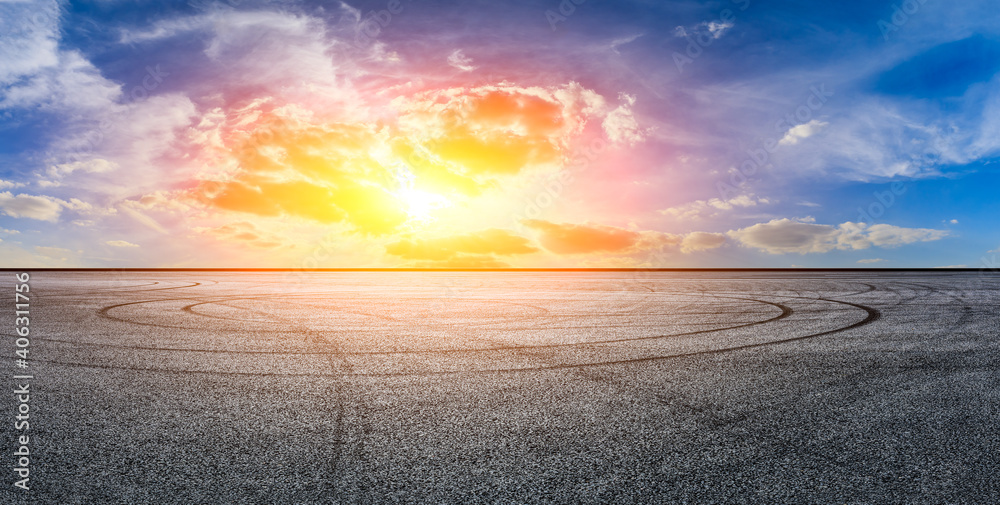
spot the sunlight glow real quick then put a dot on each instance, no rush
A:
(420, 205)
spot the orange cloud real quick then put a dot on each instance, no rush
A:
(449, 145)
(565, 238)
(488, 242)
(488, 131)
(583, 238)
(323, 173)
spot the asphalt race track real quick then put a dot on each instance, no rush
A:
(510, 387)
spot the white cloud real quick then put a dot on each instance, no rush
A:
(871, 261)
(120, 243)
(292, 58)
(616, 43)
(166, 29)
(620, 124)
(43, 208)
(717, 28)
(96, 165)
(714, 29)
(34, 72)
(700, 209)
(702, 241)
(137, 136)
(29, 39)
(459, 60)
(802, 131)
(10, 184)
(876, 139)
(781, 236)
(72, 83)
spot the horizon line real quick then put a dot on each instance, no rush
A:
(304, 270)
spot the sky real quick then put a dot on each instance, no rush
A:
(475, 134)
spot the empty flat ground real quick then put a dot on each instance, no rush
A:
(216, 387)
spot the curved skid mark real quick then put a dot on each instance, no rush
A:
(190, 310)
(172, 287)
(873, 315)
(785, 312)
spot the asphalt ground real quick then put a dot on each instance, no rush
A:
(504, 387)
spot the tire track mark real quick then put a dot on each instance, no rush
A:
(872, 316)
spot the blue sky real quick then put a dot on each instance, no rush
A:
(730, 133)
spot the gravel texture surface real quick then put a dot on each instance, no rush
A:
(215, 387)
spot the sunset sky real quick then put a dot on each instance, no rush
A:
(586, 133)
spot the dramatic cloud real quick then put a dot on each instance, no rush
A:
(236, 131)
(494, 130)
(275, 160)
(782, 236)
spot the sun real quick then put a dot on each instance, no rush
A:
(420, 205)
